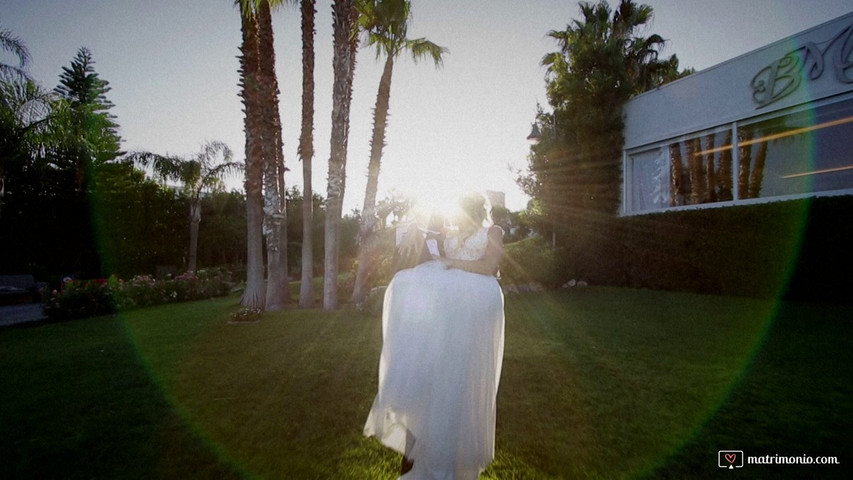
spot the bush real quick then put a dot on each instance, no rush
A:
(98, 297)
(80, 299)
(531, 260)
(796, 248)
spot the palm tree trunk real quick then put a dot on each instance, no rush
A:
(274, 213)
(254, 295)
(710, 170)
(724, 175)
(757, 175)
(306, 153)
(744, 162)
(344, 66)
(195, 219)
(368, 217)
(676, 179)
(694, 165)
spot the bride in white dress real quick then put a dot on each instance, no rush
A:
(443, 341)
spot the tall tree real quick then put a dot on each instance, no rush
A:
(306, 153)
(275, 211)
(385, 23)
(250, 92)
(90, 135)
(602, 60)
(88, 140)
(25, 113)
(344, 16)
(16, 93)
(203, 171)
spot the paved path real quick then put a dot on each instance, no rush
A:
(15, 314)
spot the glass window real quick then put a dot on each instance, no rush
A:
(790, 155)
(805, 152)
(685, 172)
(649, 189)
(701, 169)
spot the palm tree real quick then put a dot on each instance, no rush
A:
(602, 61)
(306, 153)
(254, 295)
(275, 212)
(25, 117)
(385, 23)
(14, 98)
(13, 45)
(204, 171)
(345, 45)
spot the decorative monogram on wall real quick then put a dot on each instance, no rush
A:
(784, 76)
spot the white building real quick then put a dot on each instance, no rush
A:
(772, 124)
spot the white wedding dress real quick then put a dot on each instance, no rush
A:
(443, 340)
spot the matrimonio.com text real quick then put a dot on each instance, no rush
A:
(732, 459)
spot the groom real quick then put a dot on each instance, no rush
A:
(420, 245)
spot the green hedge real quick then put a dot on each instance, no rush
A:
(799, 249)
(531, 260)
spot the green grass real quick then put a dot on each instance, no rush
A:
(597, 383)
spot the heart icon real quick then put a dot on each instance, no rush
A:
(731, 457)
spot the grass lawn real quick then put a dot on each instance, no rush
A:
(597, 383)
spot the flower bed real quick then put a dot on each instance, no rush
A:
(89, 298)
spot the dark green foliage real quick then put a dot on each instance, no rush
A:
(88, 132)
(530, 261)
(55, 159)
(294, 228)
(81, 299)
(81, 86)
(746, 250)
(574, 172)
(140, 224)
(222, 231)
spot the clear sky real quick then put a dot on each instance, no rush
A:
(172, 66)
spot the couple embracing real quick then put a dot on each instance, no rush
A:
(443, 341)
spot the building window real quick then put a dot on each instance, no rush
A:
(801, 153)
(787, 156)
(690, 171)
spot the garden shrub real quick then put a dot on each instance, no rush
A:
(796, 248)
(531, 260)
(80, 299)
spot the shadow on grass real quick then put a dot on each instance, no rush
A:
(794, 400)
(597, 383)
(78, 403)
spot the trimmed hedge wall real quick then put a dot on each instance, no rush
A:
(800, 249)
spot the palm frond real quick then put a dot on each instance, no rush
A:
(165, 167)
(14, 45)
(423, 48)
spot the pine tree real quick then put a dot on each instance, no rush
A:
(89, 130)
